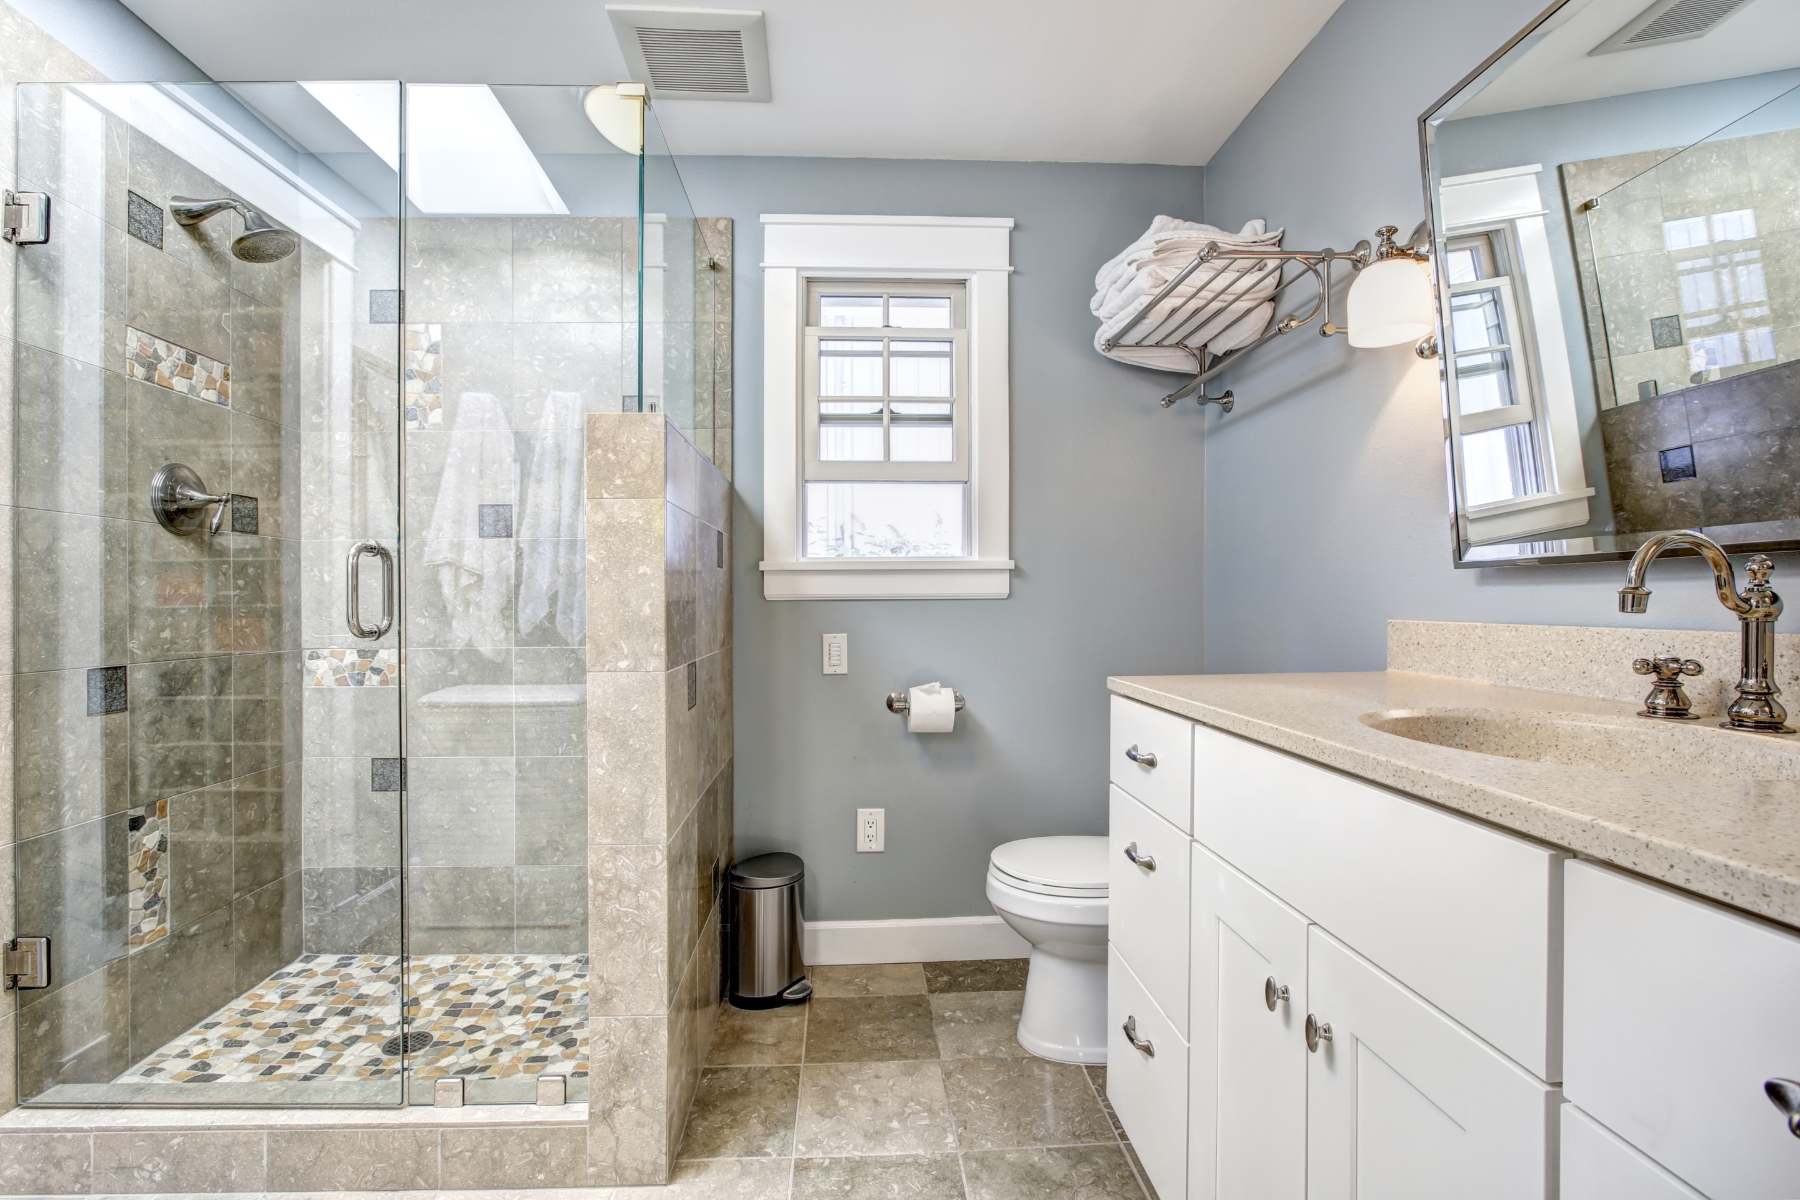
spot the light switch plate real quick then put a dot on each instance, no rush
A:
(837, 654)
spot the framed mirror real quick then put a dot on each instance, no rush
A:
(1615, 203)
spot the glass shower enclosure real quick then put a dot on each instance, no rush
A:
(300, 722)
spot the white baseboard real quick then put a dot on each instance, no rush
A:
(931, 939)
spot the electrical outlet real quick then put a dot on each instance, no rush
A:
(871, 830)
(837, 654)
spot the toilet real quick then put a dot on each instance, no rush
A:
(1052, 891)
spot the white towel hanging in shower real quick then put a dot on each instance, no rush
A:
(474, 574)
(551, 557)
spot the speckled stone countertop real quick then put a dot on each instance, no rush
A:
(1726, 832)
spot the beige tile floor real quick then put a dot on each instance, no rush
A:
(897, 1082)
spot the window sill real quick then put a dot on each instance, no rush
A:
(888, 579)
(1513, 520)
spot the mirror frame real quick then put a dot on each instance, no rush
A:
(1611, 547)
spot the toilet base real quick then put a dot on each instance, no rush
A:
(1064, 1019)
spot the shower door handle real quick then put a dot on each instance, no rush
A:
(353, 589)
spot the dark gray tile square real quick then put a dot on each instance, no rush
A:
(106, 690)
(1677, 464)
(494, 520)
(384, 306)
(387, 774)
(979, 975)
(693, 684)
(143, 220)
(869, 1029)
(719, 535)
(1665, 332)
(243, 514)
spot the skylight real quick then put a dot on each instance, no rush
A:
(463, 153)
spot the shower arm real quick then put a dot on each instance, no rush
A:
(189, 211)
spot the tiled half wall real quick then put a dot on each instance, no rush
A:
(659, 781)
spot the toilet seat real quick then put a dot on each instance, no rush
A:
(1053, 866)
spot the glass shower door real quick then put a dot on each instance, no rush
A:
(207, 359)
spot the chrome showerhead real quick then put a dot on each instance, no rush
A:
(261, 242)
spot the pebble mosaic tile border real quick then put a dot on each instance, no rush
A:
(147, 871)
(325, 1016)
(424, 376)
(354, 667)
(165, 364)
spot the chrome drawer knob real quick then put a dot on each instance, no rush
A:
(1143, 860)
(1143, 758)
(1137, 1043)
(1316, 1031)
(1274, 993)
(1785, 1095)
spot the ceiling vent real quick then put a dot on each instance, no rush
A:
(1669, 21)
(694, 53)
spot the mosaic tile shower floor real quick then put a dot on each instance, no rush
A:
(325, 1016)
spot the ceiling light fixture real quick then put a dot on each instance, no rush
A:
(617, 111)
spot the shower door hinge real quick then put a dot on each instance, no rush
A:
(27, 963)
(26, 218)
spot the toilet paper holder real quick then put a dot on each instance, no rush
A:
(897, 702)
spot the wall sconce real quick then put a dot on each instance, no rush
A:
(1390, 299)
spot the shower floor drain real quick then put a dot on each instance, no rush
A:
(415, 1042)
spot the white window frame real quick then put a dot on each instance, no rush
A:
(1508, 200)
(801, 249)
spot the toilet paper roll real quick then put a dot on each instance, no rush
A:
(933, 709)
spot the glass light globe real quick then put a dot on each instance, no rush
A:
(1389, 303)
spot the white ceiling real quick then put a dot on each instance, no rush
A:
(1127, 81)
(1762, 36)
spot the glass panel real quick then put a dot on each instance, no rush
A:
(849, 368)
(198, 697)
(885, 520)
(850, 443)
(919, 312)
(919, 368)
(1484, 382)
(1501, 464)
(1476, 320)
(861, 312)
(923, 443)
(1462, 265)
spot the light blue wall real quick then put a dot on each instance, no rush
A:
(1326, 509)
(112, 38)
(1106, 496)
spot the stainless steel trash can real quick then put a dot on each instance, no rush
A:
(766, 970)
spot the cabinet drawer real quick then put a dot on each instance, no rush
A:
(1147, 910)
(1402, 1102)
(1677, 1012)
(1148, 1092)
(1596, 1165)
(1461, 913)
(1168, 787)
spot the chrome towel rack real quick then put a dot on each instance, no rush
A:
(1209, 266)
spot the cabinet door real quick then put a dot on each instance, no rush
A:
(1678, 1012)
(1147, 1082)
(1405, 1104)
(1598, 1165)
(1247, 1061)
(1147, 901)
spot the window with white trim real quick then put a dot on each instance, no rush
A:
(885, 440)
(886, 366)
(1492, 378)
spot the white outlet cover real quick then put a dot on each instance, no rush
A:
(871, 830)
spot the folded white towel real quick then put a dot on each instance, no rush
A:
(1241, 307)
(551, 559)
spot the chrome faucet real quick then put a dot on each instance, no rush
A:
(1757, 607)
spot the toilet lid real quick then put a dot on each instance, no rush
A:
(1063, 862)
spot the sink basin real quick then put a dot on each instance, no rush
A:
(1637, 745)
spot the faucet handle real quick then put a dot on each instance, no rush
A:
(1667, 699)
